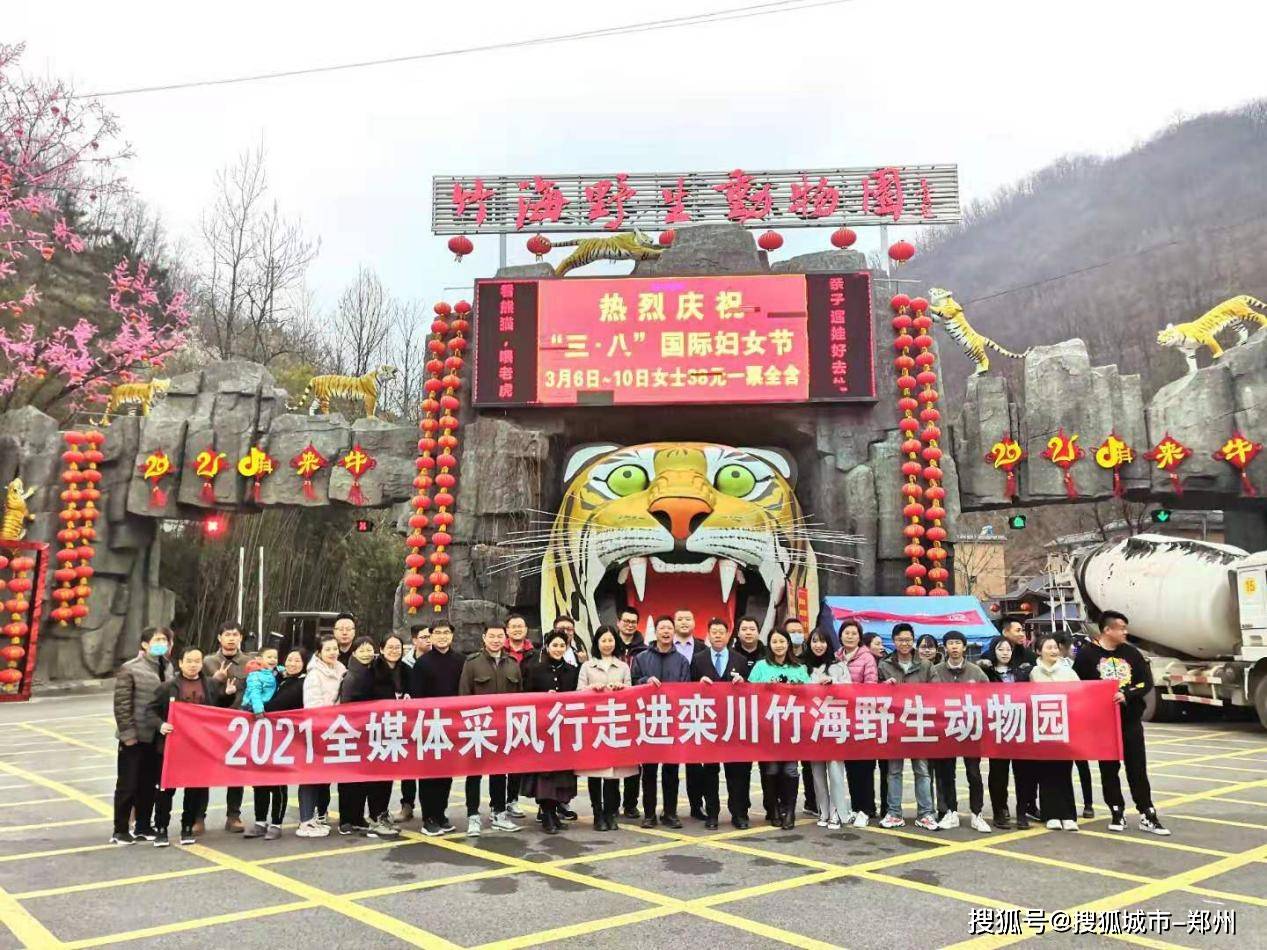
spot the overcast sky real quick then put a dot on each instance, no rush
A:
(1001, 88)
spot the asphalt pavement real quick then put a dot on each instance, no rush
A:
(62, 885)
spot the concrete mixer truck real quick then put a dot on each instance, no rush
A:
(1197, 610)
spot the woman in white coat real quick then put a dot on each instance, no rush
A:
(604, 671)
(830, 785)
(321, 688)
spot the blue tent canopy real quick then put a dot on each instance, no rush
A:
(934, 615)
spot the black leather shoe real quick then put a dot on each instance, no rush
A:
(740, 821)
(612, 824)
(710, 823)
(670, 821)
(649, 821)
(1002, 822)
(789, 820)
(566, 814)
(600, 822)
(632, 813)
(698, 814)
(1022, 823)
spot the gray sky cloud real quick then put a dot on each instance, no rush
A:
(999, 88)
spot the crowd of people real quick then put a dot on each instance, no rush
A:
(347, 668)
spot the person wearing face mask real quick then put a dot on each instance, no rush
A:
(1055, 776)
(551, 673)
(795, 631)
(859, 773)
(136, 685)
(190, 685)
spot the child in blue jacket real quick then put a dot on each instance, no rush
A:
(261, 685)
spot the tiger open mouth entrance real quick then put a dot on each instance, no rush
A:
(708, 586)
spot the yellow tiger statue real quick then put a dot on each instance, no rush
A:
(134, 396)
(669, 525)
(321, 389)
(16, 514)
(946, 311)
(1236, 313)
(635, 246)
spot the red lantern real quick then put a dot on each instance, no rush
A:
(539, 245)
(844, 237)
(460, 245)
(902, 251)
(770, 241)
(667, 237)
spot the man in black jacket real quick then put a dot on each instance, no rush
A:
(662, 663)
(629, 643)
(719, 664)
(1110, 657)
(748, 649)
(436, 673)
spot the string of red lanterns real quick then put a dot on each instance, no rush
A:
(446, 461)
(913, 510)
(428, 425)
(17, 630)
(931, 454)
(80, 477)
(93, 457)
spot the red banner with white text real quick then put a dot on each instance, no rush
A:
(673, 723)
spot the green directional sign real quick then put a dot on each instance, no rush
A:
(1016, 522)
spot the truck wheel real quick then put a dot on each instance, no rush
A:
(1260, 701)
(1157, 709)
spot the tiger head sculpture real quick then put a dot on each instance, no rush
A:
(671, 525)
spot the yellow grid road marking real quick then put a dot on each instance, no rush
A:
(162, 930)
(1220, 821)
(577, 930)
(24, 925)
(116, 882)
(69, 740)
(365, 915)
(84, 849)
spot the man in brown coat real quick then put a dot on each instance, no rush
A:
(135, 686)
(487, 673)
(228, 663)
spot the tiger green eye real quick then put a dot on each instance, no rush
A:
(627, 479)
(735, 480)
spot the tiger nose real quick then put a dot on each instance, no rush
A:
(680, 516)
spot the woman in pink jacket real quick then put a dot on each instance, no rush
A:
(859, 772)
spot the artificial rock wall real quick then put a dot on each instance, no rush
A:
(510, 470)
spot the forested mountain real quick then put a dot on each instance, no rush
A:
(1111, 249)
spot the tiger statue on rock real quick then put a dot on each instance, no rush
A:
(635, 246)
(678, 525)
(134, 396)
(946, 311)
(16, 513)
(322, 389)
(1236, 313)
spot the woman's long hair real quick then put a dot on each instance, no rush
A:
(789, 658)
(813, 662)
(598, 635)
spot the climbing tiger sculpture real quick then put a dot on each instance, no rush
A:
(635, 246)
(1236, 313)
(946, 311)
(666, 525)
(322, 389)
(16, 514)
(137, 398)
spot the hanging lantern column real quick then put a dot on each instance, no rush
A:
(446, 460)
(908, 424)
(930, 435)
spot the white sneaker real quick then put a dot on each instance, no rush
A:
(892, 821)
(513, 810)
(949, 820)
(1069, 825)
(501, 822)
(980, 824)
(311, 829)
(833, 823)
(1053, 825)
(473, 826)
(861, 820)
(822, 822)
(929, 823)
